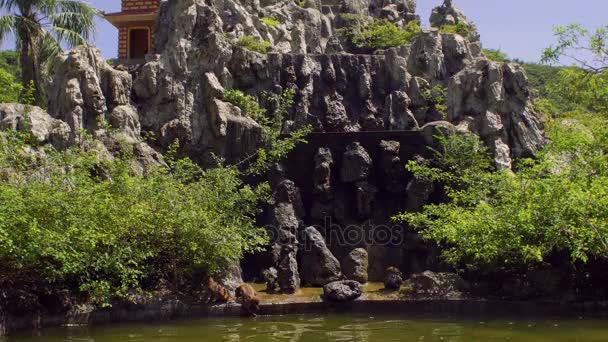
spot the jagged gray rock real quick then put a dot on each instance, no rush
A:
(85, 92)
(393, 279)
(437, 285)
(270, 276)
(35, 121)
(342, 291)
(355, 265)
(286, 210)
(497, 99)
(392, 167)
(356, 163)
(319, 265)
(322, 188)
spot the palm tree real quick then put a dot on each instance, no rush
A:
(39, 28)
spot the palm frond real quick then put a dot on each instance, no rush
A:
(48, 48)
(72, 38)
(74, 16)
(8, 5)
(7, 25)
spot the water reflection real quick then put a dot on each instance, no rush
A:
(331, 328)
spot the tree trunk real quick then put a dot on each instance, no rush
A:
(30, 69)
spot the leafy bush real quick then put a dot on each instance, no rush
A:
(251, 43)
(577, 88)
(365, 32)
(437, 99)
(276, 145)
(271, 21)
(11, 89)
(9, 61)
(539, 76)
(498, 220)
(61, 223)
(496, 55)
(247, 103)
(460, 28)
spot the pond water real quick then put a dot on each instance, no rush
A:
(317, 328)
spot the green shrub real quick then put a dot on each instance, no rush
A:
(436, 97)
(504, 220)
(247, 103)
(271, 21)
(60, 223)
(460, 28)
(251, 43)
(10, 88)
(365, 32)
(9, 61)
(496, 55)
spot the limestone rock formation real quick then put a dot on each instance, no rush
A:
(342, 291)
(437, 285)
(35, 121)
(356, 164)
(285, 215)
(393, 279)
(319, 266)
(392, 166)
(85, 92)
(270, 276)
(355, 265)
(178, 95)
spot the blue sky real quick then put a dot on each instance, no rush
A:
(522, 28)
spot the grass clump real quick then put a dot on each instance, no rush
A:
(253, 44)
(271, 22)
(460, 28)
(365, 32)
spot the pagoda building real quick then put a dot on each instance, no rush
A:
(135, 23)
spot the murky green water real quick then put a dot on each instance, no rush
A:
(315, 328)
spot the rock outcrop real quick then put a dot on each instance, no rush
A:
(285, 216)
(437, 285)
(342, 291)
(36, 122)
(355, 265)
(379, 109)
(319, 266)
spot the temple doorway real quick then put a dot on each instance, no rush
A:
(139, 43)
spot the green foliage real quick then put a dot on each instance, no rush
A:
(40, 28)
(460, 28)
(9, 61)
(577, 88)
(365, 32)
(251, 43)
(574, 41)
(302, 4)
(276, 146)
(584, 85)
(437, 98)
(10, 88)
(28, 95)
(539, 76)
(62, 222)
(498, 220)
(271, 21)
(247, 103)
(496, 55)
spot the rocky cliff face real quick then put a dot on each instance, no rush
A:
(374, 109)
